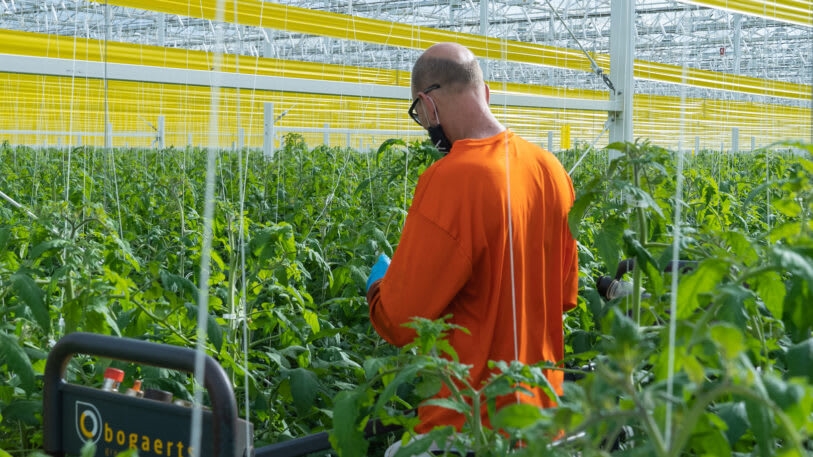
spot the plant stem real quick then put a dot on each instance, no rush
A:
(166, 324)
(699, 407)
(637, 271)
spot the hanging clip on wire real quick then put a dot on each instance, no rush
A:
(593, 65)
(606, 79)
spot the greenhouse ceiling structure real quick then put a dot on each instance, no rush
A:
(718, 74)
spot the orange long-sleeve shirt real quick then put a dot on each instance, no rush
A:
(454, 258)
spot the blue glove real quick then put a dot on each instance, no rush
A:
(378, 270)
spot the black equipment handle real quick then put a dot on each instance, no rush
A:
(606, 285)
(224, 406)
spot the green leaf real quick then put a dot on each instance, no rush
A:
(609, 242)
(771, 289)
(799, 360)
(788, 207)
(736, 418)
(794, 260)
(214, 332)
(728, 338)
(785, 231)
(741, 246)
(26, 411)
(576, 214)
(733, 299)
(386, 146)
(46, 246)
(783, 393)
(127, 453)
(179, 285)
(405, 375)
(30, 293)
(517, 416)
(645, 261)
(708, 436)
(701, 281)
(693, 368)
(428, 387)
(17, 360)
(641, 199)
(5, 235)
(88, 449)
(448, 403)
(798, 314)
(372, 366)
(761, 421)
(304, 384)
(312, 319)
(346, 437)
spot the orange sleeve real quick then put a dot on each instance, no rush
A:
(570, 258)
(427, 271)
(571, 285)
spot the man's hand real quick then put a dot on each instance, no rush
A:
(378, 270)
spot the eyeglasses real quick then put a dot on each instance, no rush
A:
(412, 112)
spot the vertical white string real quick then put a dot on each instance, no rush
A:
(676, 234)
(504, 53)
(208, 214)
(243, 301)
(242, 312)
(511, 245)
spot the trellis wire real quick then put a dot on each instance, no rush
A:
(208, 215)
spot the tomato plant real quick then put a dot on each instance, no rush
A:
(109, 242)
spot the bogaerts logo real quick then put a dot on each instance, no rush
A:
(88, 422)
(90, 426)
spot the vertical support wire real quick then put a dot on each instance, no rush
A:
(206, 249)
(503, 56)
(243, 171)
(108, 129)
(243, 301)
(676, 234)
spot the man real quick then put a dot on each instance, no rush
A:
(484, 241)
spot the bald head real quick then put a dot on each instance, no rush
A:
(450, 65)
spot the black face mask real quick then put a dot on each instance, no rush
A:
(439, 139)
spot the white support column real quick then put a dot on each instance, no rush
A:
(622, 55)
(268, 130)
(108, 137)
(241, 138)
(326, 137)
(735, 139)
(550, 140)
(736, 42)
(161, 133)
(161, 25)
(484, 32)
(753, 143)
(268, 52)
(696, 144)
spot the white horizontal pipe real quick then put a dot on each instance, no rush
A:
(126, 72)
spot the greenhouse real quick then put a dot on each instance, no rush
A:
(738, 73)
(199, 203)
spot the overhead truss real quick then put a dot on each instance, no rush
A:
(666, 31)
